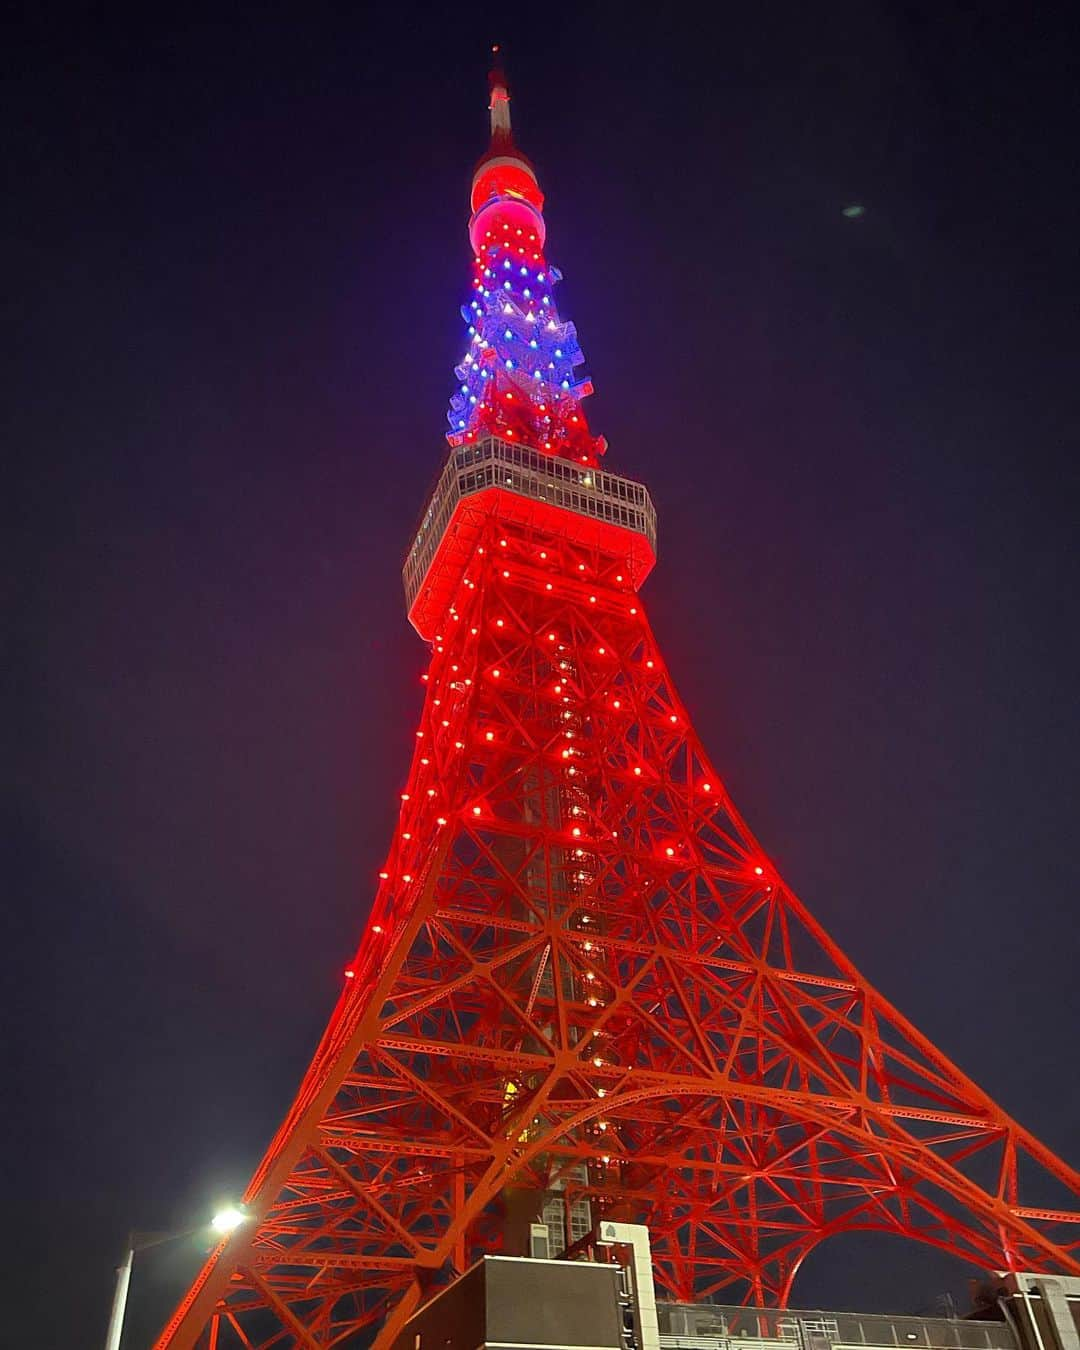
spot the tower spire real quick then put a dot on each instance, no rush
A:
(502, 136)
(518, 378)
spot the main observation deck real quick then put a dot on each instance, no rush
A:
(584, 505)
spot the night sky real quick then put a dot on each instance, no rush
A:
(236, 250)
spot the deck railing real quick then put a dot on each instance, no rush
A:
(529, 473)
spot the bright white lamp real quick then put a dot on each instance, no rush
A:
(225, 1220)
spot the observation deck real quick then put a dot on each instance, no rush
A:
(588, 506)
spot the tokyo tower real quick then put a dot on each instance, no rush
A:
(584, 992)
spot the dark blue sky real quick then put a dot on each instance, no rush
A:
(237, 251)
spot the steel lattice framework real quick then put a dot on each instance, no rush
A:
(581, 970)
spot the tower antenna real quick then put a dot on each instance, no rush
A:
(499, 103)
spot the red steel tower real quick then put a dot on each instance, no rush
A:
(583, 990)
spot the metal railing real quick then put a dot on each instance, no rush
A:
(529, 473)
(709, 1326)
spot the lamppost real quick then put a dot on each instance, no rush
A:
(224, 1221)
